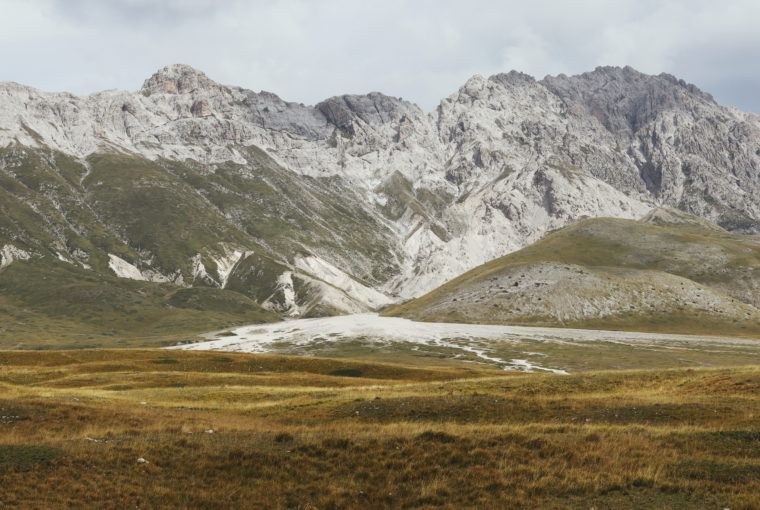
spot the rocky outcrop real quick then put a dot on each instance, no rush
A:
(176, 79)
(201, 108)
(499, 163)
(350, 112)
(625, 100)
(690, 152)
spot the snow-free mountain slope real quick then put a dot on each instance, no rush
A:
(690, 152)
(52, 304)
(197, 183)
(668, 273)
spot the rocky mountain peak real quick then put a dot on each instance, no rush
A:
(513, 78)
(176, 79)
(372, 108)
(499, 163)
(689, 87)
(633, 77)
(624, 99)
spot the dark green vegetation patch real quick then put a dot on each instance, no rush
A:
(24, 456)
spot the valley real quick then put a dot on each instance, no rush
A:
(531, 349)
(544, 292)
(360, 200)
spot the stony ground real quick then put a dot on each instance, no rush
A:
(373, 337)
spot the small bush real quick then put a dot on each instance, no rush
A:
(336, 443)
(26, 455)
(119, 387)
(347, 372)
(283, 437)
(165, 361)
(436, 437)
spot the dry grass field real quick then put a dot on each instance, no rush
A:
(222, 430)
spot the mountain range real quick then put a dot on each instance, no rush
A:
(219, 194)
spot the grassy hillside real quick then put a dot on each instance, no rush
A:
(668, 273)
(186, 221)
(223, 430)
(48, 304)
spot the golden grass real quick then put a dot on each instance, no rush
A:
(320, 433)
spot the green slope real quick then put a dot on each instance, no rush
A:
(667, 273)
(48, 304)
(167, 217)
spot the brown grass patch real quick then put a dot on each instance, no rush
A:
(381, 436)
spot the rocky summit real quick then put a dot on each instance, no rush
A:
(360, 200)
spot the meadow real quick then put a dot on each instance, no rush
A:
(177, 429)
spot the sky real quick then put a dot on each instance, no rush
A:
(421, 50)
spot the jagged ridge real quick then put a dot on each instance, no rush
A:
(395, 199)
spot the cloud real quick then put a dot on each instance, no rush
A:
(421, 50)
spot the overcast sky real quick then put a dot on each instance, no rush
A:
(423, 50)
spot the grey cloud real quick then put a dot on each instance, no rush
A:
(135, 12)
(421, 50)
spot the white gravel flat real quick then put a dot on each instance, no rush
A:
(370, 327)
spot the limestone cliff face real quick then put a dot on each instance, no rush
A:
(494, 167)
(688, 151)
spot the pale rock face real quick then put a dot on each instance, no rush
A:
(199, 271)
(201, 109)
(333, 276)
(321, 293)
(124, 269)
(690, 152)
(226, 263)
(498, 163)
(176, 79)
(284, 298)
(9, 253)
